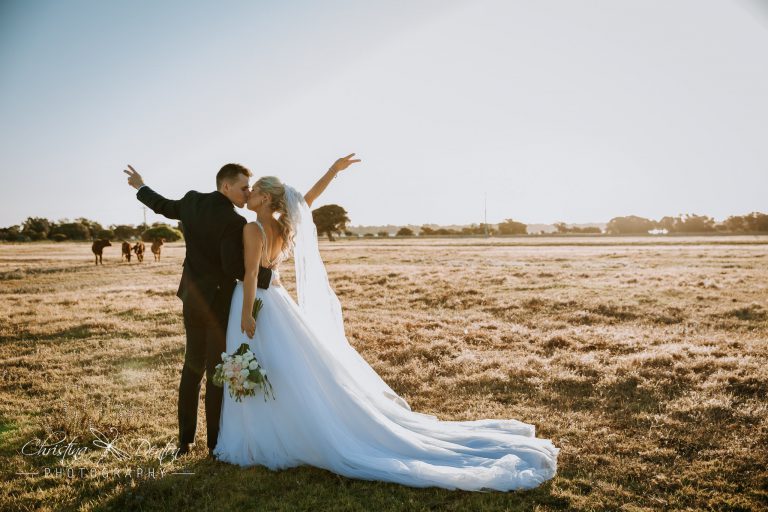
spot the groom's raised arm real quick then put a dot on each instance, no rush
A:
(166, 207)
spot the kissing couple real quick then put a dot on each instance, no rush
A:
(332, 410)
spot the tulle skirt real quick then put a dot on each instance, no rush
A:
(331, 410)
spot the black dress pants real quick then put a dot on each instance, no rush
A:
(206, 340)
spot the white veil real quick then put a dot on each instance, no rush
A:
(319, 304)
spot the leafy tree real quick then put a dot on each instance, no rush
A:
(105, 234)
(71, 230)
(11, 234)
(93, 227)
(330, 219)
(631, 225)
(36, 228)
(510, 227)
(757, 222)
(124, 231)
(426, 230)
(695, 224)
(668, 223)
(160, 230)
(733, 224)
(404, 232)
(384, 234)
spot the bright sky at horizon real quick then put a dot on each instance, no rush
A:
(558, 110)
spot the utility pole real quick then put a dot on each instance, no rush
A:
(485, 214)
(145, 214)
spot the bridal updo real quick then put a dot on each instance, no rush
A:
(276, 190)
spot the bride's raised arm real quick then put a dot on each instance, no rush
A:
(318, 188)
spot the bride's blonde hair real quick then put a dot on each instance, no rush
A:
(276, 190)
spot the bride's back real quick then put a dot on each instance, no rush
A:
(273, 243)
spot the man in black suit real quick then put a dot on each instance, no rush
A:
(213, 232)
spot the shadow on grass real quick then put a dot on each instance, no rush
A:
(219, 486)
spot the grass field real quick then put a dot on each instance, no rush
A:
(644, 360)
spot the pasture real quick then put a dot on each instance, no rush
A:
(644, 360)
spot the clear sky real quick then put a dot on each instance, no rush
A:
(559, 110)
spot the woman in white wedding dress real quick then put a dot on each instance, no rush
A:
(331, 409)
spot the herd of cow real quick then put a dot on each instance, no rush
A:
(99, 245)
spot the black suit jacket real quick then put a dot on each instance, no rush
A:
(213, 232)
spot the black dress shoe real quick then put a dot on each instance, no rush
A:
(185, 448)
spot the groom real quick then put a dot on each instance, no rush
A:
(213, 233)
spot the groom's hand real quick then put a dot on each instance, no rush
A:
(134, 178)
(343, 163)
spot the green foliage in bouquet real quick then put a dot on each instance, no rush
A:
(242, 371)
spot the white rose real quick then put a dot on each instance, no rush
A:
(262, 372)
(244, 372)
(253, 365)
(223, 356)
(228, 373)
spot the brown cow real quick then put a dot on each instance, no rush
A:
(97, 248)
(126, 252)
(139, 250)
(157, 246)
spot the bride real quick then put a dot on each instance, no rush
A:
(331, 409)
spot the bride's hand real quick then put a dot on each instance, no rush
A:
(343, 163)
(248, 326)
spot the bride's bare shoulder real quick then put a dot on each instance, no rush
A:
(252, 230)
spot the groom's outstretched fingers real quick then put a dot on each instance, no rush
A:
(134, 178)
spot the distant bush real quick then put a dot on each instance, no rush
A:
(126, 231)
(404, 232)
(510, 227)
(162, 231)
(562, 227)
(689, 223)
(105, 234)
(72, 230)
(631, 225)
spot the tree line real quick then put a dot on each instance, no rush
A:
(39, 228)
(754, 222)
(332, 220)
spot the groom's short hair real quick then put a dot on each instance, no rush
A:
(230, 172)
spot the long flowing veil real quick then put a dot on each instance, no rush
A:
(320, 305)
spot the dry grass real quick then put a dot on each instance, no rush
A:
(645, 362)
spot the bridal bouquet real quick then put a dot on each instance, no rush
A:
(242, 371)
